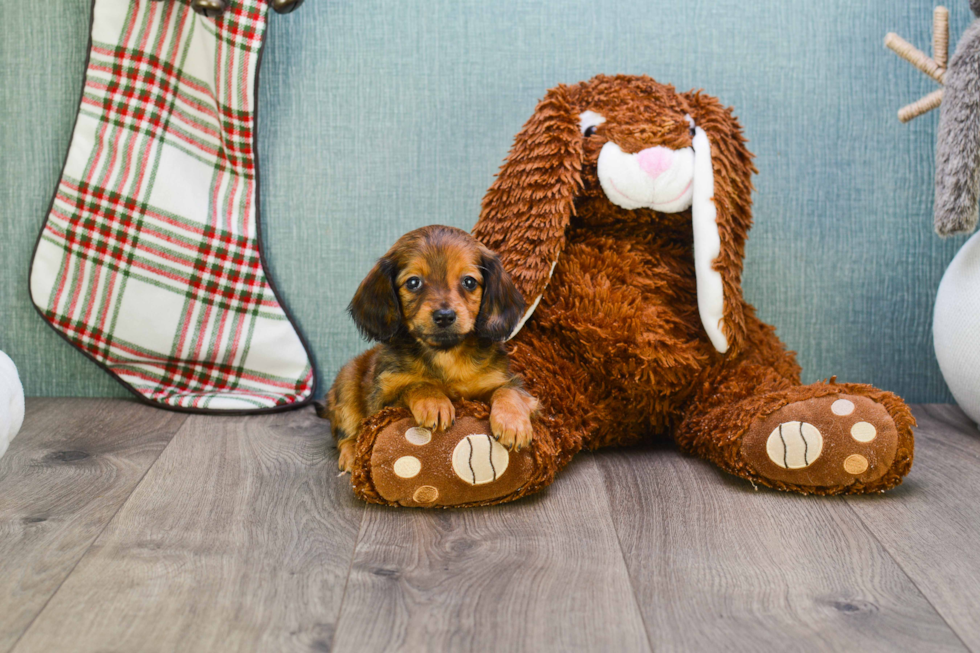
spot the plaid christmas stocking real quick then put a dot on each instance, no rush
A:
(149, 261)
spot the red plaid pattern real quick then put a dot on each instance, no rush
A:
(148, 261)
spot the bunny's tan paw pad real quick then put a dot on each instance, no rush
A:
(462, 465)
(838, 440)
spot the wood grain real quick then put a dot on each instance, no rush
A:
(239, 538)
(718, 566)
(931, 523)
(542, 574)
(66, 474)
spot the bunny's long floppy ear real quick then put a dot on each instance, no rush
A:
(528, 207)
(721, 214)
(958, 138)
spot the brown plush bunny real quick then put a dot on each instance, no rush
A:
(621, 213)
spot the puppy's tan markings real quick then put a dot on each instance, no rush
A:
(510, 417)
(346, 449)
(430, 406)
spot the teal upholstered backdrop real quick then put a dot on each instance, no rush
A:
(379, 117)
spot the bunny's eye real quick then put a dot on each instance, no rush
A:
(691, 131)
(588, 121)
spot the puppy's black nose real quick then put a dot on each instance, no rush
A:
(444, 317)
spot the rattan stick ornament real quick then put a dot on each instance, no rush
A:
(934, 66)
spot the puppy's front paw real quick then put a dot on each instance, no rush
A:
(346, 450)
(511, 427)
(434, 412)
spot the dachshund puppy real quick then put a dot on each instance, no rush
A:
(441, 305)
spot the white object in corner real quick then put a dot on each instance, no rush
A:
(11, 402)
(956, 327)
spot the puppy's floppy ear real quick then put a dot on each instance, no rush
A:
(528, 207)
(502, 305)
(375, 308)
(722, 215)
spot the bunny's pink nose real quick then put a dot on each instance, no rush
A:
(655, 160)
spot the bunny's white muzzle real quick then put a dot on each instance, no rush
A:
(657, 178)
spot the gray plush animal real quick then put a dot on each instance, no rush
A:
(958, 140)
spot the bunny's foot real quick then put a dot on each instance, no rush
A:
(401, 463)
(838, 443)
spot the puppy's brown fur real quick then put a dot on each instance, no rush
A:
(440, 304)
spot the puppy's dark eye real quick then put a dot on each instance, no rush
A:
(469, 283)
(589, 131)
(413, 283)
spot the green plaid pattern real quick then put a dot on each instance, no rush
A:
(149, 260)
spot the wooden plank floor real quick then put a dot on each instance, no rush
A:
(72, 466)
(125, 528)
